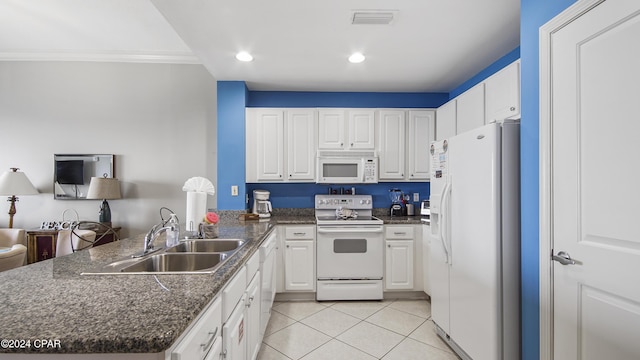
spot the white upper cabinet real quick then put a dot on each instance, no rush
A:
(270, 145)
(496, 98)
(361, 130)
(503, 94)
(420, 134)
(346, 129)
(446, 120)
(331, 129)
(301, 144)
(392, 145)
(470, 109)
(279, 150)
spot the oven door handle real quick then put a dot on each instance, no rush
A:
(349, 230)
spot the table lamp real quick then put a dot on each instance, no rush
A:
(106, 189)
(14, 184)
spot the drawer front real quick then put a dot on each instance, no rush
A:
(252, 265)
(399, 232)
(300, 232)
(205, 333)
(233, 292)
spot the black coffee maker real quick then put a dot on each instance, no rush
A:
(397, 203)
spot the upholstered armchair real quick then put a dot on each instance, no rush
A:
(10, 237)
(12, 257)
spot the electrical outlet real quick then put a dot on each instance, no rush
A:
(416, 197)
(234, 190)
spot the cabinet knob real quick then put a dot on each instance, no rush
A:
(389, 245)
(287, 246)
(513, 108)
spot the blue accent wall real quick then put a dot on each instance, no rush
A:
(232, 99)
(346, 99)
(534, 13)
(485, 73)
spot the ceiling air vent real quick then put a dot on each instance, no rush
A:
(372, 17)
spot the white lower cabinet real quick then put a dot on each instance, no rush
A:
(299, 258)
(241, 308)
(204, 339)
(403, 264)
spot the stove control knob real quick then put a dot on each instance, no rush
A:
(320, 201)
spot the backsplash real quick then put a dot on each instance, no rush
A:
(301, 195)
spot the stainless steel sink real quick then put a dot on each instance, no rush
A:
(200, 256)
(176, 263)
(207, 246)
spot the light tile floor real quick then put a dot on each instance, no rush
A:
(353, 330)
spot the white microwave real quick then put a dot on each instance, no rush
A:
(347, 168)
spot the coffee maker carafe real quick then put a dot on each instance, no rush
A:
(261, 204)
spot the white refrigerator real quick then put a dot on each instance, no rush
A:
(475, 246)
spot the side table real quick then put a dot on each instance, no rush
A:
(41, 244)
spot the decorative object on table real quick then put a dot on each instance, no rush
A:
(209, 225)
(13, 184)
(106, 189)
(197, 189)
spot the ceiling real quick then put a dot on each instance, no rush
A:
(298, 45)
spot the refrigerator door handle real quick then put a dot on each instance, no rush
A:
(443, 221)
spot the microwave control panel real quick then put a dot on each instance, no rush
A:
(370, 170)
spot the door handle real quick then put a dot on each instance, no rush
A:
(563, 258)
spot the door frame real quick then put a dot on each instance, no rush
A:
(545, 152)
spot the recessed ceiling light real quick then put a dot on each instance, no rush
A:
(356, 58)
(244, 56)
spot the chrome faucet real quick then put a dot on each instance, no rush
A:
(153, 234)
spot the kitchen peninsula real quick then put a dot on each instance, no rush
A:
(108, 315)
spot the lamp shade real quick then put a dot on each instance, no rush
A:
(16, 183)
(104, 188)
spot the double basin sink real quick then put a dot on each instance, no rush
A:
(198, 256)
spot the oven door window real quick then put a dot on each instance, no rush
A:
(350, 246)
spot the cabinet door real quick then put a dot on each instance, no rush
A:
(399, 265)
(470, 109)
(234, 337)
(301, 144)
(270, 145)
(299, 265)
(362, 130)
(446, 120)
(252, 317)
(392, 145)
(331, 129)
(419, 137)
(503, 94)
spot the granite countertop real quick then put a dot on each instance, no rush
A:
(110, 313)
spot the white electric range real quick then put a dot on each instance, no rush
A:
(349, 248)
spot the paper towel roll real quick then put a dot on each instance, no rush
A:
(196, 209)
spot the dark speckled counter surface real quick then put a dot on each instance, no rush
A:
(110, 313)
(121, 313)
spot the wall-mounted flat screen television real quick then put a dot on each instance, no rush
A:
(70, 172)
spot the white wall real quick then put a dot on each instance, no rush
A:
(158, 119)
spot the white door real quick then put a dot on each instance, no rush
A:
(299, 265)
(446, 120)
(470, 109)
(392, 145)
(331, 129)
(234, 335)
(362, 129)
(270, 145)
(593, 193)
(301, 144)
(252, 317)
(419, 137)
(399, 265)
